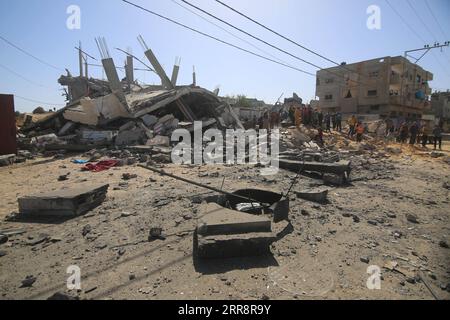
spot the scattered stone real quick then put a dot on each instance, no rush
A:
(3, 253)
(411, 218)
(86, 230)
(356, 219)
(28, 282)
(156, 234)
(64, 177)
(365, 259)
(43, 237)
(372, 222)
(3, 239)
(443, 244)
(304, 212)
(59, 296)
(391, 215)
(129, 176)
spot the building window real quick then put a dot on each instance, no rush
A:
(375, 107)
(328, 97)
(318, 81)
(374, 74)
(372, 93)
(329, 80)
(349, 95)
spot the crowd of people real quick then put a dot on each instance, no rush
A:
(415, 132)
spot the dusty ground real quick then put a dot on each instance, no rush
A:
(321, 256)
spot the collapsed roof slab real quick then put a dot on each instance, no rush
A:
(97, 111)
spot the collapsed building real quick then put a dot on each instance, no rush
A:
(124, 113)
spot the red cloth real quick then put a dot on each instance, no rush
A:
(100, 166)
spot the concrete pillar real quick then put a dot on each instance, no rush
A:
(129, 70)
(113, 78)
(175, 72)
(166, 83)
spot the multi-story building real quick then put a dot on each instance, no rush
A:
(440, 105)
(389, 87)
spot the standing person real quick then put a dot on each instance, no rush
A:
(333, 120)
(359, 132)
(320, 118)
(425, 135)
(403, 132)
(352, 122)
(437, 133)
(320, 136)
(292, 114)
(389, 125)
(298, 117)
(413, 131)
(339, 122)
(328, 122)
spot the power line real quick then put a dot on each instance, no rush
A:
(435, 19)
(421, 20)
(230, 33)
(24, 78)
(263, 41)
(405, 22)
(278, 34)
(29, 54)
(216, 39)
(414, 32)
(37, 101)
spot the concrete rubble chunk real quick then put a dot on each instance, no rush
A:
(149, 120)
(218, 220)
(224, 233)
(7, 160)
(131, 137)
(66, 202)
(159, 141)
(240, 245)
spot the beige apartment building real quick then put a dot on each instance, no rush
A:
(388, 87)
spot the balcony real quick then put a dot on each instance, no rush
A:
(395, 78)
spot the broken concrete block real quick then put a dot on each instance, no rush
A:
(97, 136)
(67, 202)
(149, 120)
(7, 160)
(130, 137)
(315, 195)
(159, 141)
(218, 220)
(240, 245)
(127, 126)
(224, 233)
(148, 132)
(67, 128)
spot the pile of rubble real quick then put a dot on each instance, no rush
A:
(117, 114)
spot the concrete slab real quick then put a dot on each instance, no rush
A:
(7, 160)
(230, 246)
(217, 220)
(65, 202)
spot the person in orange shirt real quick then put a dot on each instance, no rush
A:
(359, 132)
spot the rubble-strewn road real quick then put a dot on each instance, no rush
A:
(325, 254)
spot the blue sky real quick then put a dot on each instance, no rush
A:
(334, 28)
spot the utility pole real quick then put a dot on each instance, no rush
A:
(427, 48)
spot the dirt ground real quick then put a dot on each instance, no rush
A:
(324, 253)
